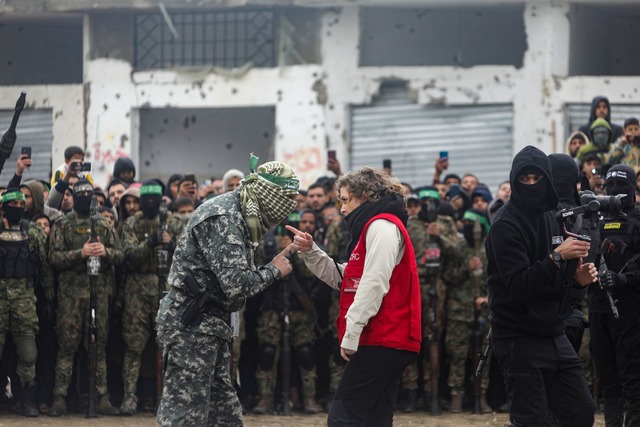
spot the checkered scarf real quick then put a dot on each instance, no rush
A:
(265, 196)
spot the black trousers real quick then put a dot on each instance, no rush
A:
(368, 389)
(615, 346)
(545, 382)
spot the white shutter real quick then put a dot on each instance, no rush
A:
(578, 115)
(35, 130)
(479, 138)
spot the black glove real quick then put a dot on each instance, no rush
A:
(155, 239)
(611, 279)
(49, 311)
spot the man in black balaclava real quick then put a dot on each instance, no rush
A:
(71, 253)
(566, 177)
(615, 343)
(143, 239)
(543, 375)
(17, 301)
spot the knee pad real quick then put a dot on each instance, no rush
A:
(306, 358)
(267, 357)
(27, 350)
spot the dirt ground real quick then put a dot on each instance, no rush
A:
(148, 420)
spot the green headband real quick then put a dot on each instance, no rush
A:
(151, 190)
(286, 183)
(472, 216)
(14, 195)
(429, 193)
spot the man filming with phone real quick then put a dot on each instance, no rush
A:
(626, 149)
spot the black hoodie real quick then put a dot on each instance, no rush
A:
(524, 283)
(618, 131)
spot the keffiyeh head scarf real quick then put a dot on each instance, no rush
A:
(265, 196)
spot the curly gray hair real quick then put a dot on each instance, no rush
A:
(370, 184)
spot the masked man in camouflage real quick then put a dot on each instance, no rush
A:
(431, 224)
(23, 261)
(143, 238)
(466, 279)
(69, 248)
(214, 258)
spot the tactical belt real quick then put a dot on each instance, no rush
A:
(208, 308)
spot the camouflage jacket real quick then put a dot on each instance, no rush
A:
(67, 237)
(336, 240)
(38, 246)
(217, 250)
(461, 285)
(418, 233)
(140, 258)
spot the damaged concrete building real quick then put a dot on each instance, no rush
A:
(196, 85)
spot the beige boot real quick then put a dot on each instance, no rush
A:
(129, 404)
(311, 406)
(105, 407)
(59, 406)
(456, 404)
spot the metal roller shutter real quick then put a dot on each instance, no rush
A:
(578, 114)
(479, 138)
(34, 130)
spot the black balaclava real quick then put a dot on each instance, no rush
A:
(539, 197)
(81, 201)
(621, 179)
(13, 214)
(150, 198)
(469, 218)
(429, 203)
(565, 176)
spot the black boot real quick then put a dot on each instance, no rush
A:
(410, 401)
(28, 401)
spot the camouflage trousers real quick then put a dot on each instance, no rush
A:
(411, 373)
(336, 362)
(197, 385)
(302, 333)
(459, 343)
(18, 317)
(138, 321)
(72, 329)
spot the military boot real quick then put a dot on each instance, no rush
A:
(410, 401)
(484, 406)
(456, 404)
(28, 401)
(311, 406)
(105, 407)
(129, 404)
(265, 386)
(59, 406)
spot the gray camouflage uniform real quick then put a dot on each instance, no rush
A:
(216, 249)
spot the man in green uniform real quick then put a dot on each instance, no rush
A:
(69, 249)
(23, 261)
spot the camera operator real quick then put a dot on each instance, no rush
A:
(615, 343)
(565, 175)
(543, 374)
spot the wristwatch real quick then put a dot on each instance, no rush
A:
(557, 257)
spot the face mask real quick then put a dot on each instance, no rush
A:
(150, 205)
(185, 217)
(82, 205)
(13, 214)
(615, 187)
(534, 196)
(428, 212)
(601, 137)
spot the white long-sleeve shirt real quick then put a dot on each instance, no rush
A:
(385, 249)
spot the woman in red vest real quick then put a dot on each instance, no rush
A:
(379, 325)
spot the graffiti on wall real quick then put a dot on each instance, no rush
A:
(308, 163)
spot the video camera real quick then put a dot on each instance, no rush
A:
(606, 203)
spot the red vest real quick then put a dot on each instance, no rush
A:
(398, 321)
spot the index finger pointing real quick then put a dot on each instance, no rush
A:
(295, 230)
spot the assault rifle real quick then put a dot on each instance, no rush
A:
(286, 350)
(9, 137)
(93, 269)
